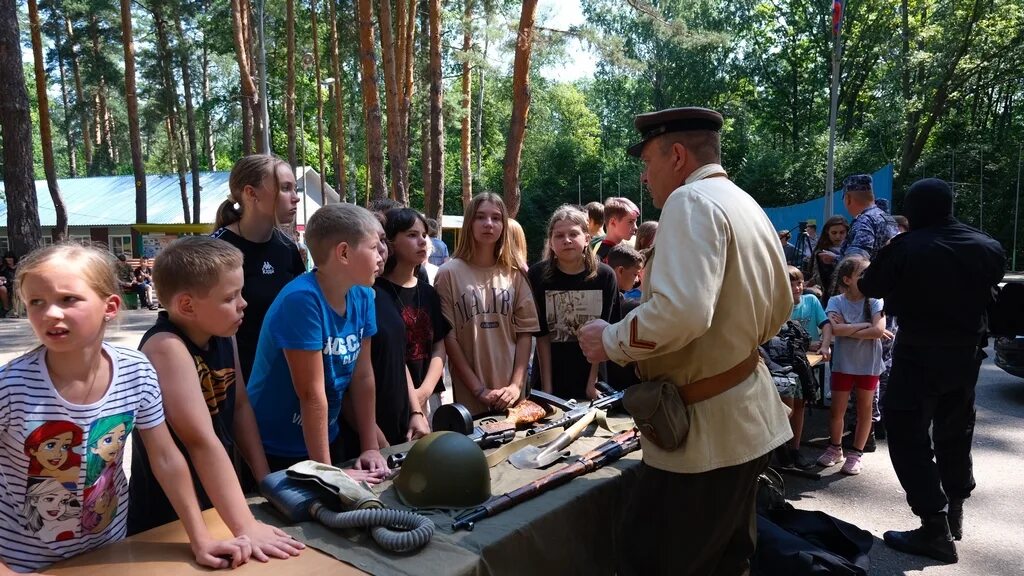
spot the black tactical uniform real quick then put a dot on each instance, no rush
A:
(937, 279)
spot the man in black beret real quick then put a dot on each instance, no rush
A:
(929, 404)
(715, 288)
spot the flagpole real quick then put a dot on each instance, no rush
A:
(1016, 209)
(830, 171)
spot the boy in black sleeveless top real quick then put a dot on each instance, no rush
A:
(193, 351)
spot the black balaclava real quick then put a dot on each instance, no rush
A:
(928, 202)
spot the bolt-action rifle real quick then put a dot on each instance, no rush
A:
(605, 454)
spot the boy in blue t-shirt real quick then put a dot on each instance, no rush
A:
(314, 347)
(807, 309)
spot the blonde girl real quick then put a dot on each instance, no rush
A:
(570, 288)
(517, 242)
(858, 325)
(263, 196)
(71, 293)
(486, 298)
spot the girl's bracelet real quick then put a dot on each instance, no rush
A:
(415, 413)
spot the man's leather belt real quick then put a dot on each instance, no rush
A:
(705, 388)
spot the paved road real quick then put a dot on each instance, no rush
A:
(993, 541)
(994, 516)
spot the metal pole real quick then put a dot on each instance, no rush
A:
(600, 185)
(830, 171)
(1016, 207)
(264, 105)
(579, 190)
(302, 143)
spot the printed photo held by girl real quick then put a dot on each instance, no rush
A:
(857, 325)
(570, 288)
(66, 409)
(485, 296)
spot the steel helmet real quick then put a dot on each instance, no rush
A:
(444, 470)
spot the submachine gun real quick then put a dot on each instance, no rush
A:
(605, 454)
(457, 418)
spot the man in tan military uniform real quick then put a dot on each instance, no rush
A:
(715, 288)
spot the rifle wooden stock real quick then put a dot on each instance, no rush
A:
(608, 452)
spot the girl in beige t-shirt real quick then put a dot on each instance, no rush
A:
(486, 297)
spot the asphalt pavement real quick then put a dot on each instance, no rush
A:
(993, 541)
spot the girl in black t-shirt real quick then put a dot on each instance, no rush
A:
(418, 305)
(263, 197)
(570, 288)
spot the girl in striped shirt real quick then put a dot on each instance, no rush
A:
(66, 409)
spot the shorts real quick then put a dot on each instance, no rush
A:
(847, 382)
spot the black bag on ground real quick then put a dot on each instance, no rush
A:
(793, 542)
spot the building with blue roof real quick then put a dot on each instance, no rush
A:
(101, 209)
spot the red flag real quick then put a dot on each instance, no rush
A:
(837, 16)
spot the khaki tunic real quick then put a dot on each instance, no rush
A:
(715, 289)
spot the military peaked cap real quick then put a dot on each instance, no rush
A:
(654, 124)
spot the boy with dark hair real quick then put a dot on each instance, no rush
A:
(620, 215)
(627, 263)
(595, 223)
(315, 347)
(192, 348)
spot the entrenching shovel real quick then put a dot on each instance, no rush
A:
(541, 456)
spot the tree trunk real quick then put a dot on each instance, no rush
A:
(391, 89)
(479, 128)
(103, 131)
(16, 126)
(80, 100)
(467, 112)
(319, 99)
(917, 133)
(184, 48)
(435, 203)
(520, 107)
(371, 101)
(249, 29)
(239, 8)
(407, 84)
(209, 145)
(339, 106)
(166, 60)
(132, 103)
(289, 99)
(72, 151)
(60, 231)
(424, 107)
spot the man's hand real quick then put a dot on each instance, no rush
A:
(269, 541)
(590, 338)
(222, 553)
(371, 460)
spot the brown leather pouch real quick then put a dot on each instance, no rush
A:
(659, 413)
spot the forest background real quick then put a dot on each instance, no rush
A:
(430, 101)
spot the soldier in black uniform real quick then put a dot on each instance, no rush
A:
(938, 279)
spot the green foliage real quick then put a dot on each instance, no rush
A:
(946, 104)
